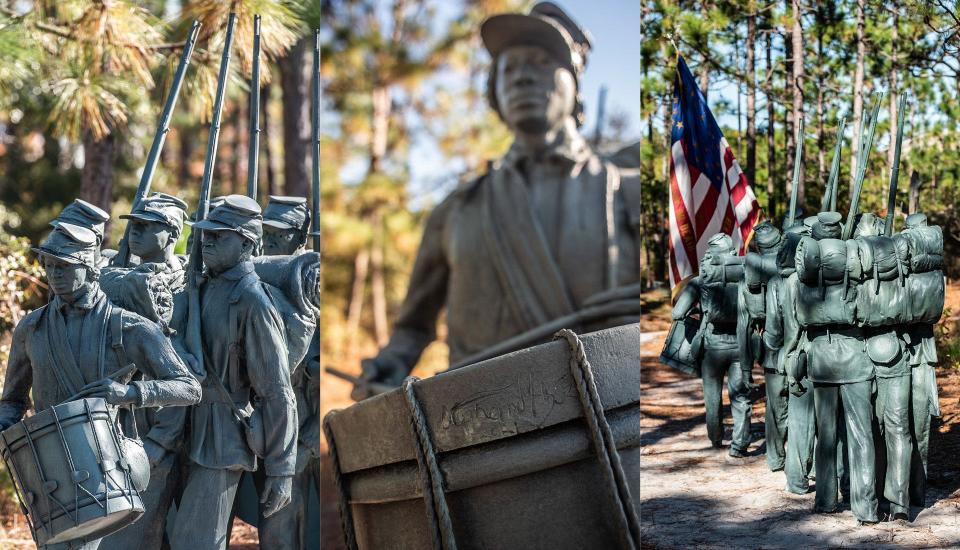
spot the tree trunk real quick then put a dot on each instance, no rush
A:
(798, 57)
(295, 82)
(892, 81)
(789, 137)
(821, 145)
(857, 91)
(96, 180)
(377, 284)
(361, 264)
(771, 125)
(379, 126)
(751, 96)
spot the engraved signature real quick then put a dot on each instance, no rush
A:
(515, 407)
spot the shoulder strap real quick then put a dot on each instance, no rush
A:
(116, 335)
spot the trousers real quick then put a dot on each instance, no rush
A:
(801, 435)
(776, 419)
(857, 419)
(716, 363)
(205, 507)
(895, 448)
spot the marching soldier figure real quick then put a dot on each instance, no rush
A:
(758, 270)
(245, 360)
(150, 290)
(838, 367)
(286, 222)
(80, 338)
(715, 346)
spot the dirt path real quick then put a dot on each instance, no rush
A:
(694, 496)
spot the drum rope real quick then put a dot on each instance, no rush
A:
(434, 495)
(603, 441)
(346, 516)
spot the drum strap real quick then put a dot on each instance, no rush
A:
(603, 442)
(346, 514)
(434, 494)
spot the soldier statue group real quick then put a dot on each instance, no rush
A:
(193, 413)
(839, 315)
(207, 366)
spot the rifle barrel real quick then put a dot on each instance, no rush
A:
(862, 168)
(253, 155)
(829, 202)
(895, 169)
(797, 159)
(163, 128)
(316, 142)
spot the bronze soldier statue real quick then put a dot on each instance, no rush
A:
(782, 336)
(245, 361)
(80, 340)
(836, 363)
(548, 230)
(759, 268)
(715, 344)
(150, 290)
(286, 222)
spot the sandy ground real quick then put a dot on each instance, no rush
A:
(694, 496)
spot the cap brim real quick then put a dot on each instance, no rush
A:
(143, 216)
(210, 225)
(278, 224)
(516, 29)
(68, 259)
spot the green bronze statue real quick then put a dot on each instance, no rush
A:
(715, 344)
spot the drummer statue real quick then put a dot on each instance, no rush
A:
(80, 340)
(545, 232)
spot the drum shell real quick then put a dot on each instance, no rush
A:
(94, 444)
(678, 347)
(518, 462)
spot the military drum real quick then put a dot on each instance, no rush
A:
(519, 451)
(76, 475)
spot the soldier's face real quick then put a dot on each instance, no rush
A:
(64, 278)
(535, 93)
(149, 239)
(280, 242)
(223, 249)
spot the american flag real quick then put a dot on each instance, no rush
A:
(709, 193)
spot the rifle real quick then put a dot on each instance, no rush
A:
(253, 154)
(163, 127)
(862, 169)
(194, 342)
(797, 159)
(829, 201)
(895, 170)
(316, 142)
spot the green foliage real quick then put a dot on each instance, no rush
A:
(926, 66)
(948, 340)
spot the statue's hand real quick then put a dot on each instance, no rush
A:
(112, 392)
(276, 494)
(380, 369)
(155, 453)
(796, 388)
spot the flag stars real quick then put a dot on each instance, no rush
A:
(680, 125)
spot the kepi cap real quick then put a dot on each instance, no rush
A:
(546, 26)
(238, 213)
(766, 236)
(162, 208)
(287, 213)
(83, 214)
(71, 243)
